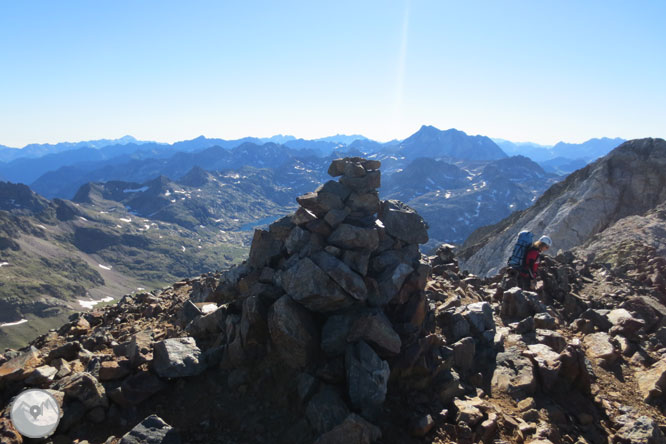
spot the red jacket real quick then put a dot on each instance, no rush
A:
(531, 263)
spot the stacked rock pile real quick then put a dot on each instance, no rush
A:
(334, 292)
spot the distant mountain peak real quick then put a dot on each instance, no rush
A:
(196, 177)
(429, 141)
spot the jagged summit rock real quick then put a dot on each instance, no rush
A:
(19, 197)
(629, 181)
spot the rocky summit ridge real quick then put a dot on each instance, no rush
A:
(629, 181)
(337, 329)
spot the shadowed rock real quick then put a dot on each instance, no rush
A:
(310, 286)
(152, 430)
(293, 332)
(367, 379)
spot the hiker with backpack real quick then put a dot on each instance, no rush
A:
(524, 261)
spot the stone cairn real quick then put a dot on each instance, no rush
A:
(334, 292)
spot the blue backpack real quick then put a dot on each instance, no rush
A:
(517, 259)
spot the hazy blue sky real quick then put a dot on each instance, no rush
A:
(166, 71)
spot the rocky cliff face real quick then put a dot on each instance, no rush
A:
(628, 181)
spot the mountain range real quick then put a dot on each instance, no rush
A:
(155, 212)
(24, 165)
(561, 152)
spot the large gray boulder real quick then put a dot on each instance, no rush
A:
(513, 374)
(253, 326)
(336, 188)
(599, 347)
(375, 328)
(177, 358)
(84, 387)
(310, 286)
(390, 282)
(293, 332)
(152, 430)
(320, 202)
(357, 260)
(547, 362)
(209, 324)
(326, 409)
(371, 181)
(367, 378)
(652, 382)
(349, 280)
(335, 331)
(297, 239)
(479, 315)
(352, 237)
(518, 304)
(641, 430)
(365, 203)
(265, 247)
(139, 387)
(403, 222)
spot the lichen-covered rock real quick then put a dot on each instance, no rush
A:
(110, 370)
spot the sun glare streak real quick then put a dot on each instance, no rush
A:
(400, 77)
